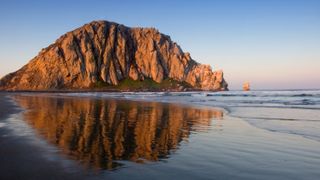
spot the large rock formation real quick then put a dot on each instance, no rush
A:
(108, 52)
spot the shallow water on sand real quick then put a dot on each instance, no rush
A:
(294, 112)
(99, 133)
(123, 139)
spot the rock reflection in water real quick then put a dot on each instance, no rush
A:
(99, 132)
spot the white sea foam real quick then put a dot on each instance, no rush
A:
(2, 125)
(284, 99)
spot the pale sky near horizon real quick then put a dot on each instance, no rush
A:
(273, 44)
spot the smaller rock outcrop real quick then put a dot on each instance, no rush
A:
(246, 86)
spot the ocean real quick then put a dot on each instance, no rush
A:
(173, 135)
(287, 111)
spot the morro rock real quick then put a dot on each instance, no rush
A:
(108, 53)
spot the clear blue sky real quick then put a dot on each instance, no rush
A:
(271, 43)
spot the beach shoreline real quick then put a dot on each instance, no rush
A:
(223, 141)
(22, 158)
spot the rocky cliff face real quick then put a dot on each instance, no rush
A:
(108, 52)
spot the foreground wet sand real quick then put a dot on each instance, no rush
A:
(76, 138)
(21, 157)
(97, 138)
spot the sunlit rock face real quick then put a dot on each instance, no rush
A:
(99, 132)
(108, 52)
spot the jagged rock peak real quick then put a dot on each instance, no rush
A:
(107, 52)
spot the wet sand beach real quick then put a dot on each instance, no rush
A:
(23, 158)
(90, 137)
